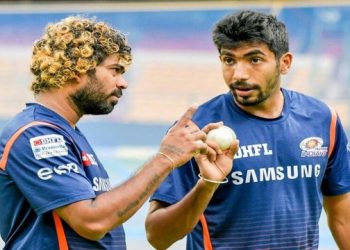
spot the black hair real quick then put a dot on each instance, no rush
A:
(251, 27)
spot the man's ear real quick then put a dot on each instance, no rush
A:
(79, 78)
(286, 62)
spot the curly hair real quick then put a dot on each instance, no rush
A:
(251, 27)
(75, 45)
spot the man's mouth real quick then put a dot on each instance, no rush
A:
(242, 89)
(117, 93)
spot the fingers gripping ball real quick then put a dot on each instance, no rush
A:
(223, 136)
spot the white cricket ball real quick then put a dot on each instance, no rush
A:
(223, 136)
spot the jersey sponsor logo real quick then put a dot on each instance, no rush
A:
(46, 146)
(88, 159)
(275, 174)
(101, 184)
(47, 173)
(253, 150)
(312, 147)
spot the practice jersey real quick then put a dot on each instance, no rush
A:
(48, 166)
(283, 167)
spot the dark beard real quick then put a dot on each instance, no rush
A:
(262, 96)
(244, 101)
(90, 101)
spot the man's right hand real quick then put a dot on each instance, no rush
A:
(184, 139)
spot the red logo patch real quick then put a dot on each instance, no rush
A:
(86, 159)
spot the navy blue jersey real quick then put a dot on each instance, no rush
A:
(284, 166)
(48, 167)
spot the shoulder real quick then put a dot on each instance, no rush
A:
(37, 119)
(306, 105)
(28, 129)
(14, 124)
(301, 98)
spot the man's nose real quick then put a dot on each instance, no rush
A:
(240, 72)
(121, 82)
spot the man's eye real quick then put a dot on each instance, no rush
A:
(228, 60)
(119, 70)
(256, 60)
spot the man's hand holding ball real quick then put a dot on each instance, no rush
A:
(223, 136)
(217, 163)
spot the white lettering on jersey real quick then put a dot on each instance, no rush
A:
(253, 151)
(101, 184)
(46, 146)
(275, 174)
(47, 173)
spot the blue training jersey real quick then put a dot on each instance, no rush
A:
(48, 167)
(284, 166)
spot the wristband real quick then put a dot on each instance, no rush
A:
(213, 181)
(169, 158)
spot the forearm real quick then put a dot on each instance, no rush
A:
(338, 214)
(340, 231)
(110, 209)
(166, 225)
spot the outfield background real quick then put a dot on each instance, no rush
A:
(175, 65)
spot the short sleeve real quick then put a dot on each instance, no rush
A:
(337, 176)
(46, 166)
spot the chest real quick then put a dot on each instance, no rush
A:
(282, 151)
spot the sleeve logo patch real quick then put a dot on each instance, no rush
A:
(46, 146)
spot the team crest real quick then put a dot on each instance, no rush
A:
(312, 147)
